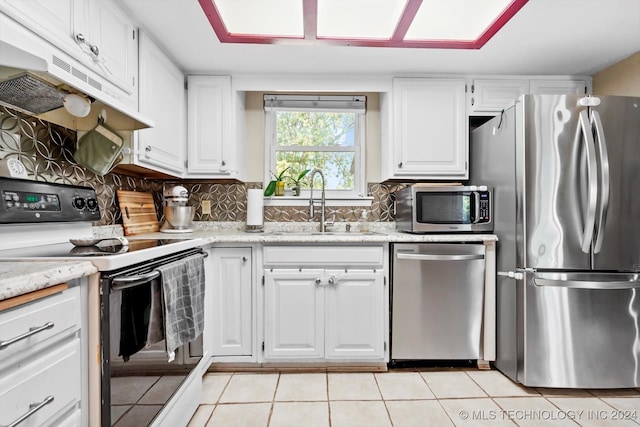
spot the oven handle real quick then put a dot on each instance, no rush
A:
(120, 283)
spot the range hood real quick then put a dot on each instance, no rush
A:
(35, 77)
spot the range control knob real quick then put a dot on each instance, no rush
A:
(79, 203)
(92, 204)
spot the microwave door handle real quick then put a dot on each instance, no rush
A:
(476, 196)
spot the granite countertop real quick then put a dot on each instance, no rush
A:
(233, 232)
(18, 278)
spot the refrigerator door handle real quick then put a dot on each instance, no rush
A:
(604, 181)
(587, 284)
(584, 127)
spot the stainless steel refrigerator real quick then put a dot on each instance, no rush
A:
(565, 170)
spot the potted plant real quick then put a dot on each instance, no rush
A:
(276, 185)
(296, 181)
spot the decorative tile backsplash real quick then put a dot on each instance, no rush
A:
(46, 151)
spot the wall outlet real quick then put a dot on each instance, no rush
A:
(206, 207)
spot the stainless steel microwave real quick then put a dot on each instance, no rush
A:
(425, 208)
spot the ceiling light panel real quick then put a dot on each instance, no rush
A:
(455, 19)
(357, 19)
(262, 17)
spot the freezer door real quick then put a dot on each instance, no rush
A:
(617, 228)
(556, 183)
(579, 330)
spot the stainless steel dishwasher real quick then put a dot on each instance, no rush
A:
(436, 301)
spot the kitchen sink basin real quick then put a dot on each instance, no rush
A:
(327, 233)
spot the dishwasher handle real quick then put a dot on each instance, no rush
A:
(437, 257)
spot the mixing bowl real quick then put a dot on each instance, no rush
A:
(179, 217)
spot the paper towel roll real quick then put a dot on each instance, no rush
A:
(255, 207)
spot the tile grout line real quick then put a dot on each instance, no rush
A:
(273, 399)
(384, 401)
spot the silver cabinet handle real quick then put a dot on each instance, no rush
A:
(332, 280)
(92, 47)
(33, 408)
(318, 281)
(244, 259)
(400, 164)
(147, 148)
(434, 257)
(120, 283)
(32, 331)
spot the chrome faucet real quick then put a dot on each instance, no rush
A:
(323, 223)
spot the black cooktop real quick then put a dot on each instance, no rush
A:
(66, 250)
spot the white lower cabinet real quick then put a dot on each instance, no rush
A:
(325, 314)
(42, 365)
(231, 283)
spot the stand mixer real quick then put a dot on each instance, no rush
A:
(178, 217)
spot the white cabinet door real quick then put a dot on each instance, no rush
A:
(231, 285)
(354, 314)
(558, 87)
(162, 98)
(430, 130)
(114, 35)
(57, 21)
(294, 314)
(494, 95)
(211, 124)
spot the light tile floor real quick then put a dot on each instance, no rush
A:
(404, 398)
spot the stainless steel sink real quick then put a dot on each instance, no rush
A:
(326, 233)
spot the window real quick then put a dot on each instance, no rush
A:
(323, 132)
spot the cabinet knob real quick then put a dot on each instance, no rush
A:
(332, 280)
(400, 164)
(223, 163)
(80, 38)
(147, 148)
(318, 281)
(94, 49)
(244, 259)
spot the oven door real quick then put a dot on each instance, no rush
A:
(137, 378)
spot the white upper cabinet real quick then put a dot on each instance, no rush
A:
(113, 34)
(429, 130)
(57, 21)
(494, 95)
(162, 98)
(213, 136)
(491, 95)
(553, 87)
(97, 33)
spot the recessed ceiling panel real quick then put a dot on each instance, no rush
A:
(262, 17)
(443, 24)
(461, 20)
(356, 19)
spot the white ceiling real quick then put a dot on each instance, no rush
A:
(579, 37)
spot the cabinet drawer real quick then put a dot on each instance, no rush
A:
(62, 310)
(325, 256)
(55, 373)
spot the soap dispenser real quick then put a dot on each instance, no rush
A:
(363, 227)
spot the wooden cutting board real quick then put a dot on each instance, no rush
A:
(138, 212)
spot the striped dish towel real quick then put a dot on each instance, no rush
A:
(183, 292)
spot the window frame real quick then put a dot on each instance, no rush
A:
(313, 103)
